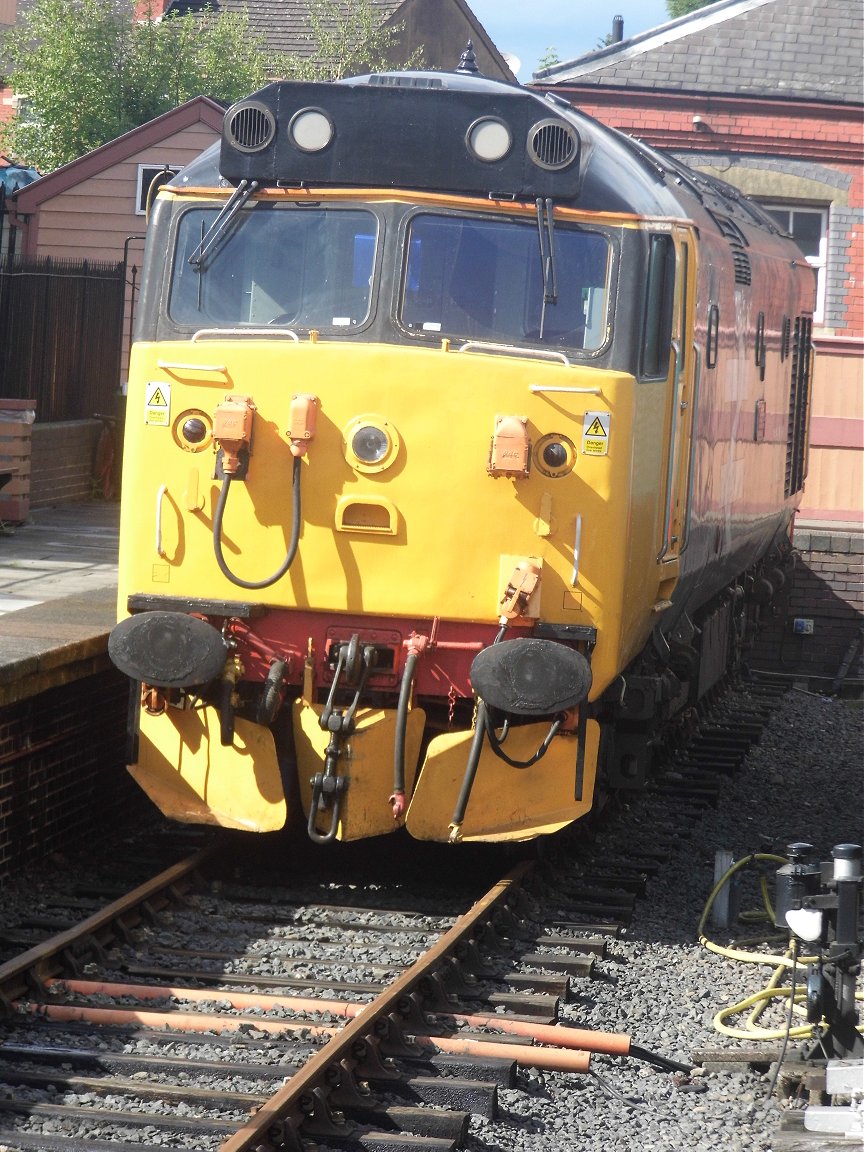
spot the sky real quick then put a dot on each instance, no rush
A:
(527, 28)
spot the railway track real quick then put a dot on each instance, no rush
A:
(371, 1027)
(207, 1009)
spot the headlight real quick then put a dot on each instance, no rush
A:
(370, 443)
(489, 139)
(311, 130)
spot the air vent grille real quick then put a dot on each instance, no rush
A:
(553, 145)
(737, 243)
(250, 127)
(741, 261)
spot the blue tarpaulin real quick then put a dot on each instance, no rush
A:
(12, 177)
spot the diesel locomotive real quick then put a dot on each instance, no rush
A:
(464, 438)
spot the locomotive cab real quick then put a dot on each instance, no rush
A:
(412, 468)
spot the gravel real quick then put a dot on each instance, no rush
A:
(802, 781)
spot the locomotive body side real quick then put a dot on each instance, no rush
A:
(425, 450)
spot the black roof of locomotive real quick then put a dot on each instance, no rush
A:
(394, 130)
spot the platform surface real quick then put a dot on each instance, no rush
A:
(58, 590)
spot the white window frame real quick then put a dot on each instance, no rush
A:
(141, 190)
(819, 261)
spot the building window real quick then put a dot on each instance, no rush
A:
(147, 173)
(808, 227)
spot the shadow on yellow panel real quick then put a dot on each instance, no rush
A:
(506, 803)
(190, 776)
(367, 761)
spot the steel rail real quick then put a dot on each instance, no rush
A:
(287, 1103)
(13, 974)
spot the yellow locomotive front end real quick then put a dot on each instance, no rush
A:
(385, 538)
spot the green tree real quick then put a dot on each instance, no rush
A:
(549, 59)
(347, 39)
(88, 71)
(677, 8)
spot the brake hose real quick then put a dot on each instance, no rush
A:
(495, 743)
(397, 800)
(292, 546)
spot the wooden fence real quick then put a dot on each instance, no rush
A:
(61, 327)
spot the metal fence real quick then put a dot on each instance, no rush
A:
(61, 327)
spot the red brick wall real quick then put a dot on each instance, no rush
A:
(62, 770)
(61, 468)
(830, 135)
(827, 589)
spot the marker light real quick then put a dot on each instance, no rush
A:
(311, 130)
(489, 140)
(555, 455)
(194, 430)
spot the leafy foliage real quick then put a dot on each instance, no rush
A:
(346, 39)
(549, 59)
(677, 8)
(88, 71)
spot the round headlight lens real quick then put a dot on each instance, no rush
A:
(489, 139)
(311, 130)
(555, 455)
(194, 430)
(370, 444)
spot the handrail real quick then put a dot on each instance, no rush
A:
(178, 366)
(222, 333)
(691, 463)
(163, 488)
(557, 388)
(673, 433)
(514, 350)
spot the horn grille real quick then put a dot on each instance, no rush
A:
(250, 127)
(553, 145)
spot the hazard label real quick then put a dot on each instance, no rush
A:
(157, 404)
(595, 433)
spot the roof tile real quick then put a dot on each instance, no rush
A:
(791, 49)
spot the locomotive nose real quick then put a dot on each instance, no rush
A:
(167, 649)
(531, 677)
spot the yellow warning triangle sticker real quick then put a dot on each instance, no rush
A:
(157, 400)
(596, 428)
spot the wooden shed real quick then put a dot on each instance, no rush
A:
(94, 207)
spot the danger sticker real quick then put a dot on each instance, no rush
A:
(157, 404)
(595, 433)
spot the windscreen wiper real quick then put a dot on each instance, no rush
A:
(546, 235)
(220, 225)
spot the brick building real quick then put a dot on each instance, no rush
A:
(768, 96)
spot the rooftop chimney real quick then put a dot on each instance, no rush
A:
(617, 29)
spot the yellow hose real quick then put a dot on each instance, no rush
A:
(759, 1001)
(736, 953)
